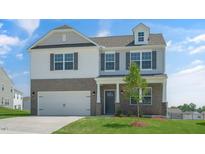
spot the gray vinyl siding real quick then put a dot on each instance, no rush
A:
(160, 68)
(56, 38)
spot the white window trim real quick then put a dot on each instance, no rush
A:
(142, 102)
(64, 61)
(142, 69)
(106, 53)
(68, 61)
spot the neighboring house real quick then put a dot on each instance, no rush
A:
(18, 100)
(72, 74)
(192, 115)
(9, 96)
(174, 113)
(27, 103)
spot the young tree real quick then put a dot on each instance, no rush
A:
(135, 86)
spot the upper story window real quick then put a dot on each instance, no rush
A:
(2, 88)
(69, 61)
(58, 61)
(146, 60)
(110, 61)
(135, 57)
(64, 61)
(142, 59)
(140, 36)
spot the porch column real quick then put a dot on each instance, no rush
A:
(117, 93)
(164, 92)
(98, 93)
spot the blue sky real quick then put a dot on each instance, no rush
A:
(185, 55)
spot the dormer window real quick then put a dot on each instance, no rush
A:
(140, 36)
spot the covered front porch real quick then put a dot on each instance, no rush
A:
(110, 94)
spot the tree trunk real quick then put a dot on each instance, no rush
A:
(138, 110)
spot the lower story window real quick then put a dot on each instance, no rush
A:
(147, 99)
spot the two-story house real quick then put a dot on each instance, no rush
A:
(9, 96)
(72, 74)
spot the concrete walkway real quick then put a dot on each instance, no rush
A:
(34, 124)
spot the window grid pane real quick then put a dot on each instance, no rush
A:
(68, 65)
(110, 65)
(59, 66)
(140, 34)
(110, 57)
(58, 57)
(68, 57)
(135, 56)
(146, 56)
(146, 60)
(148, 96)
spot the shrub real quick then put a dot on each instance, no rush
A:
(129, 113)
(119, 113)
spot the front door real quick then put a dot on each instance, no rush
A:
(109, 102)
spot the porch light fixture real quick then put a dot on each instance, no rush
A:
(33, 93)
(121, 91)
(93, 93)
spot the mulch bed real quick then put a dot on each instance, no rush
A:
(139, 124)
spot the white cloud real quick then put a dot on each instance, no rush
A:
(197, 62)
(29, 25)
(104, 28)
(187, 85)
(198, 39)
(19, 56)
(198, 49)
(102, 33)
(20, 74)
(6, 42)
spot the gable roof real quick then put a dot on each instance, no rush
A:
(64, 27)
(140, 24)
(4, 72)
(109, 41)
(127, 40)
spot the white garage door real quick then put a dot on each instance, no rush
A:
(64, 103)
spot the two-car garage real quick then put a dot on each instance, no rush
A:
(63, 103)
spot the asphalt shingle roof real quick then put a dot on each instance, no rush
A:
(126, 40)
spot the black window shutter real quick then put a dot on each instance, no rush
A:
(102, 59)
(154, 59)
(127, 60)
(75, 61)
(51, 62)
(117, 61)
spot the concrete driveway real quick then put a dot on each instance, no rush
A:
(34, 124)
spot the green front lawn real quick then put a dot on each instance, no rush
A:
(7, 113)
(117, 125)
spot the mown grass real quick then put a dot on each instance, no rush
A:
(121, 125)
(7, 113)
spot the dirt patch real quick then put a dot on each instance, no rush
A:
(139, 124)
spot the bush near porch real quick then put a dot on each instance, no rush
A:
(122, 125)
